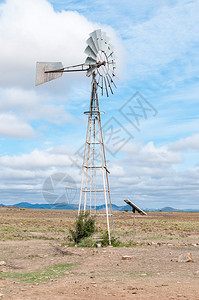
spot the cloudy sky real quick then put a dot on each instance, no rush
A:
(42, 128)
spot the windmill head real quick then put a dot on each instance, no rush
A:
(100, 63)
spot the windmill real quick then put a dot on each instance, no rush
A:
(100, 66)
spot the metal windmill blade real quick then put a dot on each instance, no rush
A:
(90, 61)
(101, 60)
(95, 36)
(91, 43)
(90, 52)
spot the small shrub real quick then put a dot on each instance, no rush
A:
(86, 242)
(84, 227)
(105, 240)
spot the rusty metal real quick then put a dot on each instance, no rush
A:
(69, 69)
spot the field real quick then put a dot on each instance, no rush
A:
(37, 260)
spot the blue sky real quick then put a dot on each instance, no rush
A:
(41, 128)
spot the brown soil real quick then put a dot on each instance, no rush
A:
(31, 240)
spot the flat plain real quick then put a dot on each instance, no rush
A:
(37, 260)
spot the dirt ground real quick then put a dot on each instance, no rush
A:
(36, 261)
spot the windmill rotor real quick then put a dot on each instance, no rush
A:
(101, 60)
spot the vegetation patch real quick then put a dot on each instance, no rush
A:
(47, 274)
(105, 240)
(87, 242)
(137, 274)
(84, 227)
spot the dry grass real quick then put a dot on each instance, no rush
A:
(26, 224)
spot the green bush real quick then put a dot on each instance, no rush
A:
(84, 227)
(86, 242)
(105, 240)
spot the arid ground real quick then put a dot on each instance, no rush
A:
(37, 260)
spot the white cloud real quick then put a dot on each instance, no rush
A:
(190, 142)
(150, 154)
(34, 160)
(12, 126)
(22, 176)
(32, 105)
(148, 175)
(32, 31)
(145, 173)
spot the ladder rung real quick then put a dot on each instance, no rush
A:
(102, 214)
(92, 166)
(95, 190)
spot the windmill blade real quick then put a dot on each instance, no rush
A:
(104, 47)
(102, 87)
(99, 81)
(90, 42)
(94, 36)
(105, 37)
(114, 75)
(91, 70)
(112, 62)
(90, 52)
(111, 47)
(99, 36)
(114, 67)
(110, 51)
(106, 87)
(111, 55)
(109, 84)
(112, 80)
(103, 43)
(90, 61)
(42, 67)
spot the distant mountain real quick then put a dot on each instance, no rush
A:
(114, 207)
(168, 208)
(45, 206)
(63, 206)
(75, 207)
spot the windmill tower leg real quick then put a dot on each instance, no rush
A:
(90, 176)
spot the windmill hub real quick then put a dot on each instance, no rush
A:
(99, 64)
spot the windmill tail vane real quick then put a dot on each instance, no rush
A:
(100, 64)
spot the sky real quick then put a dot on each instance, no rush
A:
(42, 128)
